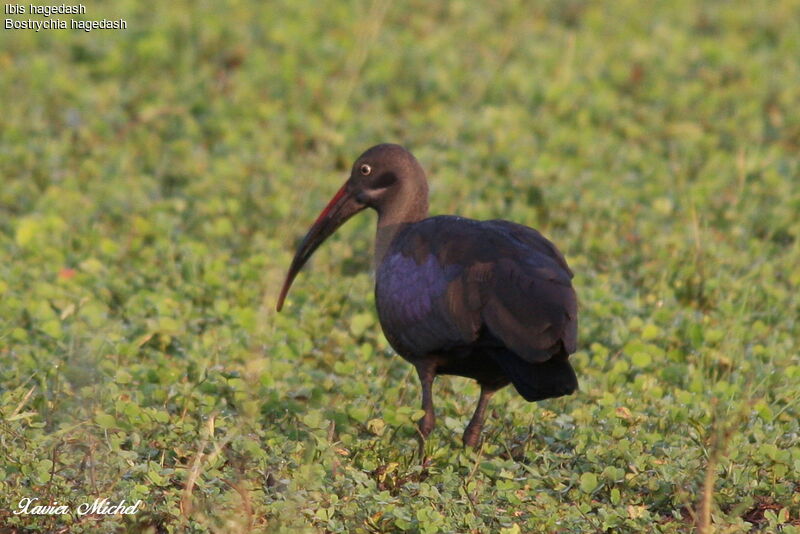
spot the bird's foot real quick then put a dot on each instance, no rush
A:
(426, 424)
(472, 436)
(424, 428)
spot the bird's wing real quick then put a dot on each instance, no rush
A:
(532, 306)
(531, 240)
(449, 278)
(421, 305)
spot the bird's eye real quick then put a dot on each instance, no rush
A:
(365, 169)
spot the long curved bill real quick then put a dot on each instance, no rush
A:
(340, 208)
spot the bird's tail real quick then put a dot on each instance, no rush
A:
(536, 381)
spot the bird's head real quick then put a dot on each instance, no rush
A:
(387, 178)
(384, 175)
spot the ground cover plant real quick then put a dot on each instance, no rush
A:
(155, 181)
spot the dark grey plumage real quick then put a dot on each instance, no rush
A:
(488, 300)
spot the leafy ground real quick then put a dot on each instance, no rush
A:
(156, 180)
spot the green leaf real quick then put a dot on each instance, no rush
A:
(315, 419)
(650, 332)
(123, 377)
(360, 323)
(359, 413)
(376, 426)
(105, 420)
(588, 482)
(641, 359)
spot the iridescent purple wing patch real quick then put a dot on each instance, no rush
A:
(411, 288)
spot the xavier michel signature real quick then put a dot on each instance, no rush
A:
(29, 506)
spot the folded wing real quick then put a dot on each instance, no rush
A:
(448, 281)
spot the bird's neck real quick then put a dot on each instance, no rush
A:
(395, 216)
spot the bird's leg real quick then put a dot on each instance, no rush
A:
(472, 434)
(427, 372)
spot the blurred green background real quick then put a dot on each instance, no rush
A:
(156, 180)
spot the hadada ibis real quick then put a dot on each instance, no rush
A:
(487, 300)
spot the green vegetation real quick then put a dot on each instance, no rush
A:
(154, 184)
